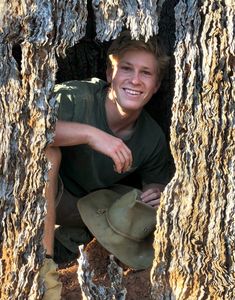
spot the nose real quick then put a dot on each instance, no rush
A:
(135, 77)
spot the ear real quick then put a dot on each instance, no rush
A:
(109, 74)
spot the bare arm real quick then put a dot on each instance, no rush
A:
(152, 193)
(72, 133)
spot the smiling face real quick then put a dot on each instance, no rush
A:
(133, 79)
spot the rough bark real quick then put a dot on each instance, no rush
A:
(141, 17)
(194, 240)
(92, 291)
(41, 28)
(195, 235)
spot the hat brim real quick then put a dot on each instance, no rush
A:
(137, 255)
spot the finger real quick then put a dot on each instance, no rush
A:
(127, 161)
(122, 161)
(154, 203)
(150, 197)
(125, 157)
(121, 156)
(126, 152)
(146, 193)
(118, 165)
(151, 191)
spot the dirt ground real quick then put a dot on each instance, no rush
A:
(137, 283)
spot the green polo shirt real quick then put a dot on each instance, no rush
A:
(83, 169)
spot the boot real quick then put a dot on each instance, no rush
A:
(49, 275)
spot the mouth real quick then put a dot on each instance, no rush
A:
(132, 92)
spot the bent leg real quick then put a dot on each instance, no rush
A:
(53, 155)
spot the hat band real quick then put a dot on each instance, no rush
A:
(119, 232)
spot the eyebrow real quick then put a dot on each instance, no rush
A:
(130, 64)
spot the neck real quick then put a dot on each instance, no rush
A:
(121, 122)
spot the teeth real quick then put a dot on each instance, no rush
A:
(132, 92)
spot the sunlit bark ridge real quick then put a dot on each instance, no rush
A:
(40, 29)
(141, 17)
(195, 236)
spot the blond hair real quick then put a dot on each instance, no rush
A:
(124, 42)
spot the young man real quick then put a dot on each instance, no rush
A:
(103, 134)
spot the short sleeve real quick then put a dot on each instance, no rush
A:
(65, 99)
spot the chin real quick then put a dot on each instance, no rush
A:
(131, 105)
(132, 108)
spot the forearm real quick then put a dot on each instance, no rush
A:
(71, 133)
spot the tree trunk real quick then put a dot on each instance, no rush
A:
(195, 235)
(141, 17)
(40, 29)
(27, 118)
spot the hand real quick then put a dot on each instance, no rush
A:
(113, 147)
(73, 133)
(151, 196)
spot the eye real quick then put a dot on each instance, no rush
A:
(147, 73)
(125, 68)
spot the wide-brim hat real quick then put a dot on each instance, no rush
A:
(121, 224)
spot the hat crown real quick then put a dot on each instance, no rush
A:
(130, 217)
(123, 225)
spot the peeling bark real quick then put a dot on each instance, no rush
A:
(195, 235)
(42, 29)
(92, 291)
(194, 241)
(141, 17)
